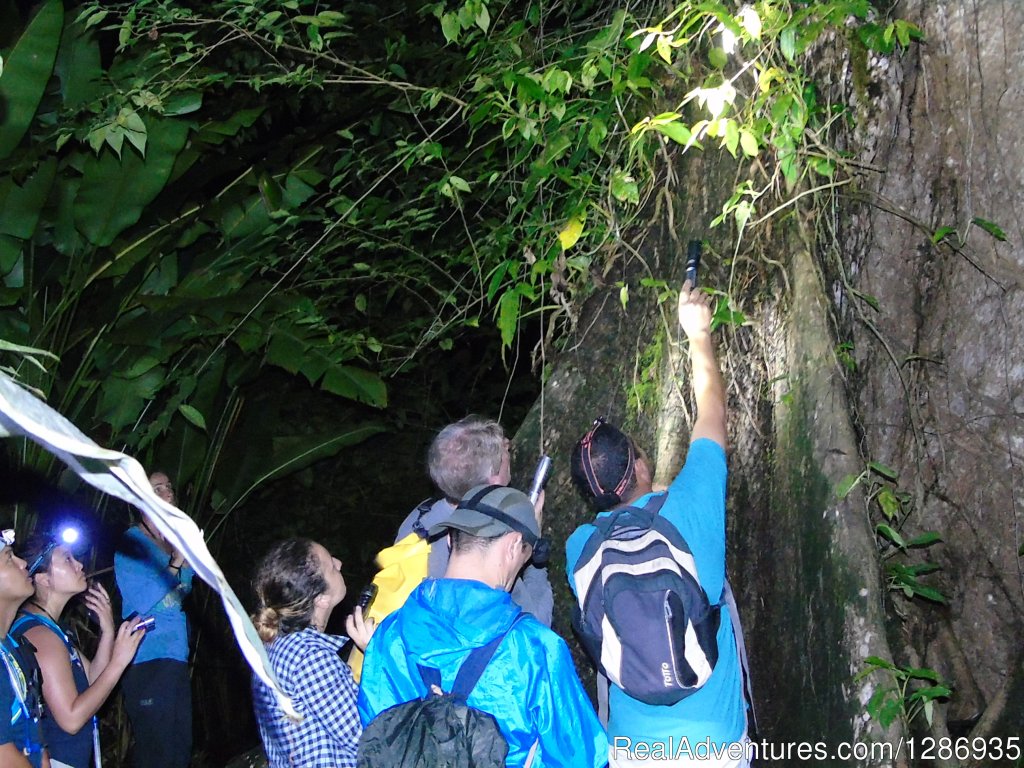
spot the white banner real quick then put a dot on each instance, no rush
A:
(114, 473)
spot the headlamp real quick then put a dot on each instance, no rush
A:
(66, 536)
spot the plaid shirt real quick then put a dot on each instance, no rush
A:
(323, 690)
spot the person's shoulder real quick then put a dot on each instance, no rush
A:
(530, 632)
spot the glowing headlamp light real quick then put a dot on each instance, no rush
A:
(67, 536)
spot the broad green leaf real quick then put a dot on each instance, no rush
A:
(922, 673)
(890, 533)
(889, 504)
(113, 193)
(846, 485)
(483, 18)
(183, 103)
(451, 27)
(664, 49)
(883, 470)
(748, 143)
(78, 64)
(925, 539)
(678, 132)
(27, 70)
(356, 384)
(193, 416)
(288, 454)
(732, 136)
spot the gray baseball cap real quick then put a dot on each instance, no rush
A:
(491, 510)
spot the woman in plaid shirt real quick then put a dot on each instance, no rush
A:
(297, 586)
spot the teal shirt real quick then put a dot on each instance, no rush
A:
(149, 588)
(696, 507)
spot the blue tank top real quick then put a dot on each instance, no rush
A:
(73, 749)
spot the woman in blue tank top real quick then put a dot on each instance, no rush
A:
(74, 687)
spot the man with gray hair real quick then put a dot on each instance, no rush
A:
(472, 451)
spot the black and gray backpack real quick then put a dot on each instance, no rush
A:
(643, 616)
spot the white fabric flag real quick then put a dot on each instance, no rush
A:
(114, 473)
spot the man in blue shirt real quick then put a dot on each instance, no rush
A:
(154, 579)
(20, 734)
(530, 686)
(612, 472)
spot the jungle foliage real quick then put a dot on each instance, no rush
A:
(351, 193)
(193, 191)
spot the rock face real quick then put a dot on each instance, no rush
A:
(927, 382)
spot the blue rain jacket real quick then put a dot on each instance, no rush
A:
(530, 686)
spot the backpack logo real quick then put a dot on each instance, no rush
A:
(642, 614)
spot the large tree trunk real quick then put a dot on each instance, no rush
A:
(935, 394)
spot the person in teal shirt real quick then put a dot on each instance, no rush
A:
(612, 472)
(154, 579)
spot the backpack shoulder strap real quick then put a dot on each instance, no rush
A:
(472, 668)
(422, 508)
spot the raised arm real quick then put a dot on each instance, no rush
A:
(706, 378)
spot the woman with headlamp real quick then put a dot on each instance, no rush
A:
(74, 687)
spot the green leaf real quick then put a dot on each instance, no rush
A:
(183, 103)
(925, 539)
(78, 64)
(678, 132)
(879, 662)
(847, 484)
(718, 58)
(114, 192)
(888, 532)
(27, 70)
(989, 227)
(787, 43)
(356, 384)
(889, 503)
(748, 143)
(508, 316)
(624, 188)
(884, 471)
(732, 137)
(451, 27)
(929, 593)
(942, 233)
(193, 416)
